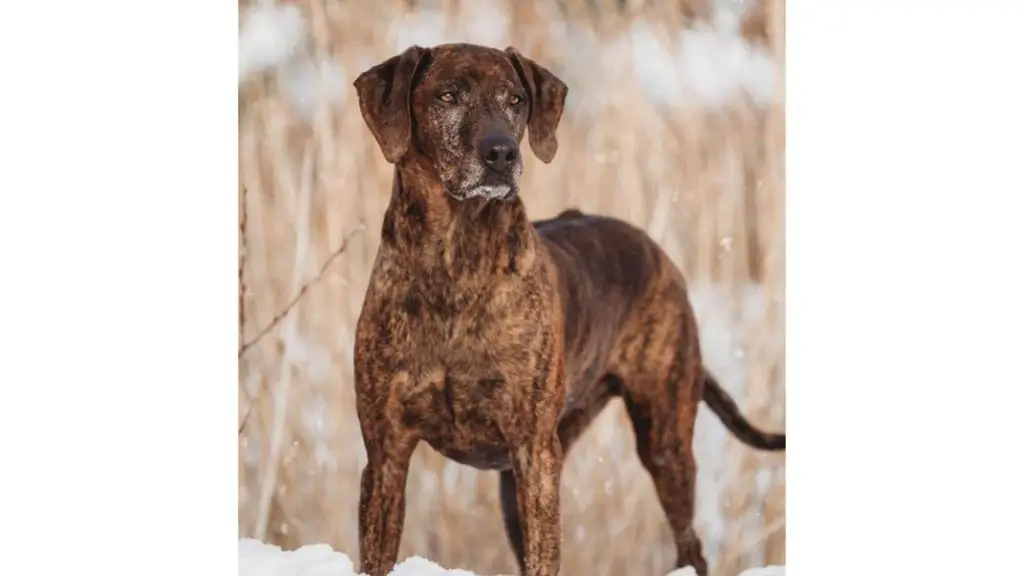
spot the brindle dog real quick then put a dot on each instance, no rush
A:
(497, 340)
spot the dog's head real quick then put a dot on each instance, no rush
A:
(464, 108)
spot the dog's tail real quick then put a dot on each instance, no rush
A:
(729, 413)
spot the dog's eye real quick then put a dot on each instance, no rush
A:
(447, 98)
(513, 100)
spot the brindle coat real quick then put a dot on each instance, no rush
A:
(497, 340)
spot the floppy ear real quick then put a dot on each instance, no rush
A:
(547, 100)
(384, 93)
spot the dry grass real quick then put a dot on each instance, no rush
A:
(707, 184)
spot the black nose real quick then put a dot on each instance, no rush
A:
(499, 152)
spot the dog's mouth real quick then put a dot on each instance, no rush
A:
(489, 191)
(488, 188)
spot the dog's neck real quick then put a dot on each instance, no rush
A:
(424, 224)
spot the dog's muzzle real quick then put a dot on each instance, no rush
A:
(494, 174)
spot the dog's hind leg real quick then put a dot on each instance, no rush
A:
(510, 515)
(664, 434)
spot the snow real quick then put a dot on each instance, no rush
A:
(256, 558)
(765, 571)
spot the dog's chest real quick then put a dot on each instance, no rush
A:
(458, 415)
(465, 323)
(466, 357)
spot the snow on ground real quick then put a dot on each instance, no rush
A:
(258, 559)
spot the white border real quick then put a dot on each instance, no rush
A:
(118, 219)
(904, 288)
(118, 245)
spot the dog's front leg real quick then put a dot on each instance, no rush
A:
(536, 468)
(382, 499)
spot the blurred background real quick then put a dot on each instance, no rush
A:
(674, 122)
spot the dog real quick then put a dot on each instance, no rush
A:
(497, 340)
